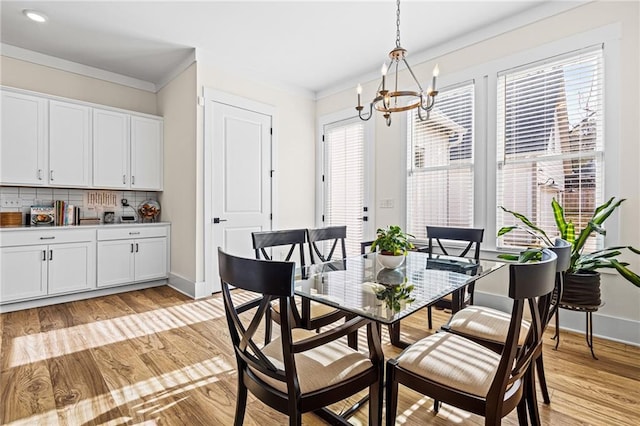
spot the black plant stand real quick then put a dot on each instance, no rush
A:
(588, 332)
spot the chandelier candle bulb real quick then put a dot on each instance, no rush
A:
(359, 90)
(436, 71)
(384, 74)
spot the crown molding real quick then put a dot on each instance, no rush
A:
(74, 67)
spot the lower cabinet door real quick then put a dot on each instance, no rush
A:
(23, 272)
(72, 267)
(115, 262)
(151, 259)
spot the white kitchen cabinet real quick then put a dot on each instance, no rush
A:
(48, 262)
(23, 147)
(23, 272)
(69, 144)
(127, 255)
(128, 151)
(146, 153)
(110, 149)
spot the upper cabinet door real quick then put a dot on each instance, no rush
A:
(23, 140)
(146, 153)
(110, 149)
(69, 144)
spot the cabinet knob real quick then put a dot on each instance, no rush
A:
(47, 238)
(44, 255)
(134, 233)
(124, 178)
(39, 174)
(133, 180)
(51, 175)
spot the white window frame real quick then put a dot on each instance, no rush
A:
(409, 167)
(485, 116)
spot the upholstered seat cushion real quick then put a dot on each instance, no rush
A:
(486, 324)
(453, 361)
(317, 309)
(317, 368)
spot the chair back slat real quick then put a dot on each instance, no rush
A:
(528, 283)
(473, 236)
(271, 280)
(294, 238)
(335, 234)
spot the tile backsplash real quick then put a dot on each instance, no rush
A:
(13, 199)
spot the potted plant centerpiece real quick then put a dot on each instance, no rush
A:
(582, 280)
(392, 245)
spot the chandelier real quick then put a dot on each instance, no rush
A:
(388, 101)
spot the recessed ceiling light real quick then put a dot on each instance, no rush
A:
(34, 15)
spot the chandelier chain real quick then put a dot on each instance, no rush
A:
(398, 24)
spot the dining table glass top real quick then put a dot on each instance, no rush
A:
(360, 285)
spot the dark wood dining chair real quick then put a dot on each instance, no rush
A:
(460, 372)
(306, 313)
(334, 236)
(489, 326)
(300, 371)
(473, 238)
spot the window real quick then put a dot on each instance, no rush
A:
(440, 163)
(550, 142)
(344, 179)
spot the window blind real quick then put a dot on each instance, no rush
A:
(550, 143)
(344, 145)
(440, 163)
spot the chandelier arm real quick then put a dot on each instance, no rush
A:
(431, 101)
(412, 74)
(368, 116)
(420, 117)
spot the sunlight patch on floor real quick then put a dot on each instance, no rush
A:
(155, 395)
(55, 343)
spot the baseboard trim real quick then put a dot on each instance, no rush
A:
(606, 327)
(193, 289)
(53, 300)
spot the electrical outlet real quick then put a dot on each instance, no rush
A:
(11, 202)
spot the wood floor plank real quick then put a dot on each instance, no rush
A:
(80, 391)
(157, 357)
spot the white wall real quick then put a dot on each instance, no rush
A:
(43, 79)
(622, 299)
(177, 103)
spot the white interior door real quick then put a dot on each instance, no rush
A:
(240, 179)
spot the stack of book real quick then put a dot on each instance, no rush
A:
(66, 214)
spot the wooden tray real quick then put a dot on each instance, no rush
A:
(10, 219)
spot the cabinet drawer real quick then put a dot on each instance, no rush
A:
(46, 236)
(132, 233)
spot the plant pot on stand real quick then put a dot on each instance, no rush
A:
(581, 293)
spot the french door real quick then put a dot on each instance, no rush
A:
(345, 180)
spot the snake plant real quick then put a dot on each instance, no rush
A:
(580, 261)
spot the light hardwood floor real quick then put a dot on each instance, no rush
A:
(156, 357)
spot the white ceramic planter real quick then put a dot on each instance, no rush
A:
(390, 262)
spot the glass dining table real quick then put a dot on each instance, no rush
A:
(361, 286)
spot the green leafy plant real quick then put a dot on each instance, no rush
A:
(393, 295)
(392, 241)
(580, 261)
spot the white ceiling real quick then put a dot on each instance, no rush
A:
(310, 46)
